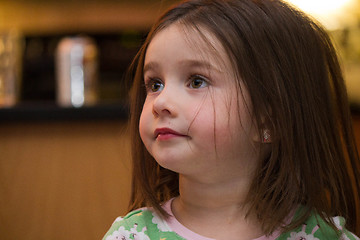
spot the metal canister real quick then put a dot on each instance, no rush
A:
(76, 67)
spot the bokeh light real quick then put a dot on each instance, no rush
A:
(332, 13)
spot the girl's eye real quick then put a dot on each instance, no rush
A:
(157, 86)
(154, 85)
(198, 82)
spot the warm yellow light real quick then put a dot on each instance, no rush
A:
(330, 12)
(320, 6)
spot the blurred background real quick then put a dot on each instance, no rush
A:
(64, 155)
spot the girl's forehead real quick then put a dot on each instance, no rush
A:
(202, 43)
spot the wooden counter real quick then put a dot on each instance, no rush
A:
(62, 180)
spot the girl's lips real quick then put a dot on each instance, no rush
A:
(166, 133)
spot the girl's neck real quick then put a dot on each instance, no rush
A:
(216, 208)
(213, 195)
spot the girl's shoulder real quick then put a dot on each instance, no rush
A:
(142, 224)
(315, 228)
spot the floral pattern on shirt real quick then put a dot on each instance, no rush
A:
(145, 224)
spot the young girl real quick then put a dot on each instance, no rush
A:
(241, 128)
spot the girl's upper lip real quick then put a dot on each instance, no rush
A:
(166, 131)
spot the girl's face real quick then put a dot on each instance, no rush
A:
(194, 121)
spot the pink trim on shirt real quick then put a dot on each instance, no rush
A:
(186, 233)
(177, 227)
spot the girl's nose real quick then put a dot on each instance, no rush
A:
(165, 104)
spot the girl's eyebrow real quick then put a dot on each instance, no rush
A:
(200, 64)
(186, 63)
(150, 66)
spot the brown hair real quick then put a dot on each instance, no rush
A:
(290, 69)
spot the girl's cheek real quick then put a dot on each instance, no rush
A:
(142, 126)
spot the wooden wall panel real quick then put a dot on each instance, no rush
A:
(62, 180)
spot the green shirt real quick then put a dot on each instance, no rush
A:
(145, 224)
